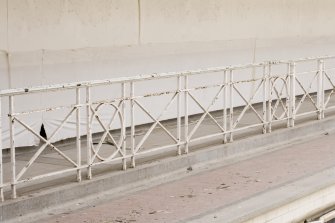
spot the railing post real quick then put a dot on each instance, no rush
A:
(78, 131)
(231, 104)
(179, 114)
(89, 133)
(186, 114)
(288, 97)
(265, 89)
(292, 74)
(225, 98)
(132, 120)
(1, 150)
(12, 146)
(320, 89)
(269, 108)
(124, 136)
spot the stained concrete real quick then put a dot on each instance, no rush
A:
(237, 192)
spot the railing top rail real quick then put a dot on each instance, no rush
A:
(305, 59)
(67, 86)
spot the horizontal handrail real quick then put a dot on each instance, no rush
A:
(92, 83)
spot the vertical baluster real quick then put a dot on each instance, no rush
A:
(292, 93)
(12, 146)
(132, 130)
(78, 131)
(265, 89)
(231, 104)
(186, 115)
(225, 98)
(270, 91)
(320, 90)
(288, 100)
(179, 114)
(89, 133)
(123, 126)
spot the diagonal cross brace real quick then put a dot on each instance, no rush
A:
(206, 112)
(248, 104)
(306, 93)
(156, 122)
(46, 143)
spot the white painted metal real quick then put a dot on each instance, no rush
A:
(320, 90)
(186, 131)
(292, 93)
(123, 124)
(12, 146)
(307, 92)
(271, 98)
(89, 132)
(106, 129)
(206, 113)
(231, 104)
(288, 99)
(156, 122)
(132, 121)
(44, 146)
(179, 104)
(265, 85)
(225, 100)
(78, 137)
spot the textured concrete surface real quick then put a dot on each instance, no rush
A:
(29, 25)
(202, 193)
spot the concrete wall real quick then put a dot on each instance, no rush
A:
(65, 24)
(60, 24)
(97, 39)
(197, 20)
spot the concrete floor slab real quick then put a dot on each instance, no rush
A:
(202, 193)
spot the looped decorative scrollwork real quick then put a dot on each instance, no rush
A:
(107, 134)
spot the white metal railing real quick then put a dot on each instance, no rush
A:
(275, 90)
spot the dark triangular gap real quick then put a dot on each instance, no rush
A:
(43, 133)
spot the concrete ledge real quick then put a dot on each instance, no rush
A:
(124, 181)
